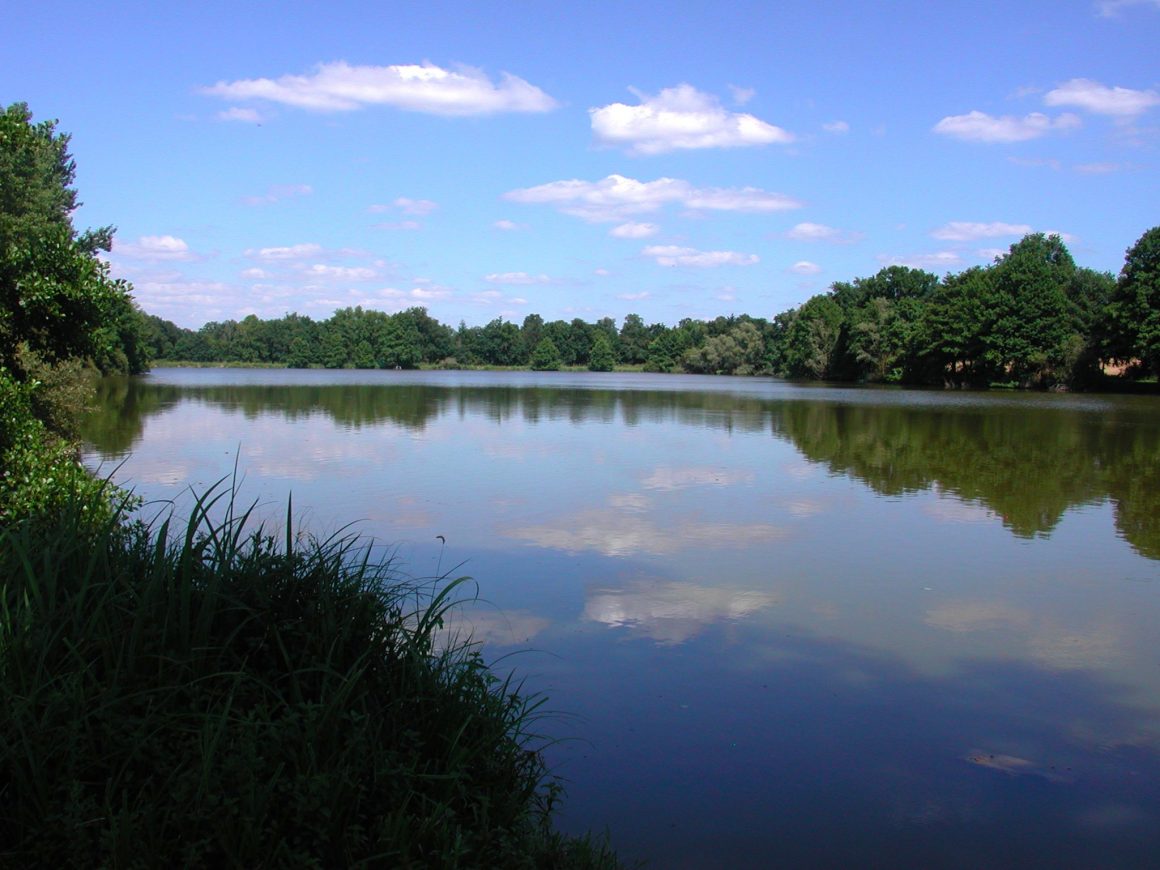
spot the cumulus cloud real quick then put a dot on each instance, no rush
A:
(966, 231)
(811, 232)
(680, 118)
(340, 87)
(506, 225)
(182, 300)
(154, 249)
(287, 252)
(634, 231)
(805, 267)
(516, 278)
(836, 127)
(750, 199)
(415, 206)
(1098, 98)
(978, 126)
(619, 198)
(674, 255)
(339, 273)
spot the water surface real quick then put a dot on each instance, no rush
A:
(811, 625)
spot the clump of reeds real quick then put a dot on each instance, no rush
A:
(206, 694)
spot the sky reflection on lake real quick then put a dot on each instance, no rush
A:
(819, 626)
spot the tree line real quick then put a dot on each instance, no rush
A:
(1032, 318)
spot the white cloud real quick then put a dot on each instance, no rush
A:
(978, 126)
(255, 274)
(426, 294)
(805, 267)
(278, 192)
(811, 232)
(506, 225)
(938, 260)
(339, 273)
(340, 87)
(415, 206)
(680, 118)
(634, 297)
(1098, 98)
(634, 231)
(966, 231)
(618, 198)
(237, 113)
(516, 278)
(674, 255)
(155, 248)
(288, 252)
(836, 127)
(750, 199)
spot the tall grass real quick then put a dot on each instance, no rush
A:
(206, 694)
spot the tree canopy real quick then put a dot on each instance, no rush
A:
(56, 296)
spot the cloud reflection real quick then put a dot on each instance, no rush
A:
(493, 627)
(671, 612)
(682, 478)
(621, 532)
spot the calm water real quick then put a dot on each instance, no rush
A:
(784, 625)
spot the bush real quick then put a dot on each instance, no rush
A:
(40, 475)
(212, 696)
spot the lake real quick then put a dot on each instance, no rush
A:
(777, 624)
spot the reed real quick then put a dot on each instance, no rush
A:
(208, 694)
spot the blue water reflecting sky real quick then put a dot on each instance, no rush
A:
(830, 627)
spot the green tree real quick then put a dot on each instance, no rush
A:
(55, 293)
(1133, 315)
(1025, 336)
(602, 358)
(545, 357)
(813, 338)
(634, 340)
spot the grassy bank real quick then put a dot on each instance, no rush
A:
(205, 694)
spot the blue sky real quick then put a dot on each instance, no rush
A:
(669, 159)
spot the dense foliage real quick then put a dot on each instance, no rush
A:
(56, 296)
(60, 315)
(1032, 318)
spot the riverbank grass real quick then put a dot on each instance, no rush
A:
(206, 694)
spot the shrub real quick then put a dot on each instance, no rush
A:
(39, 472)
